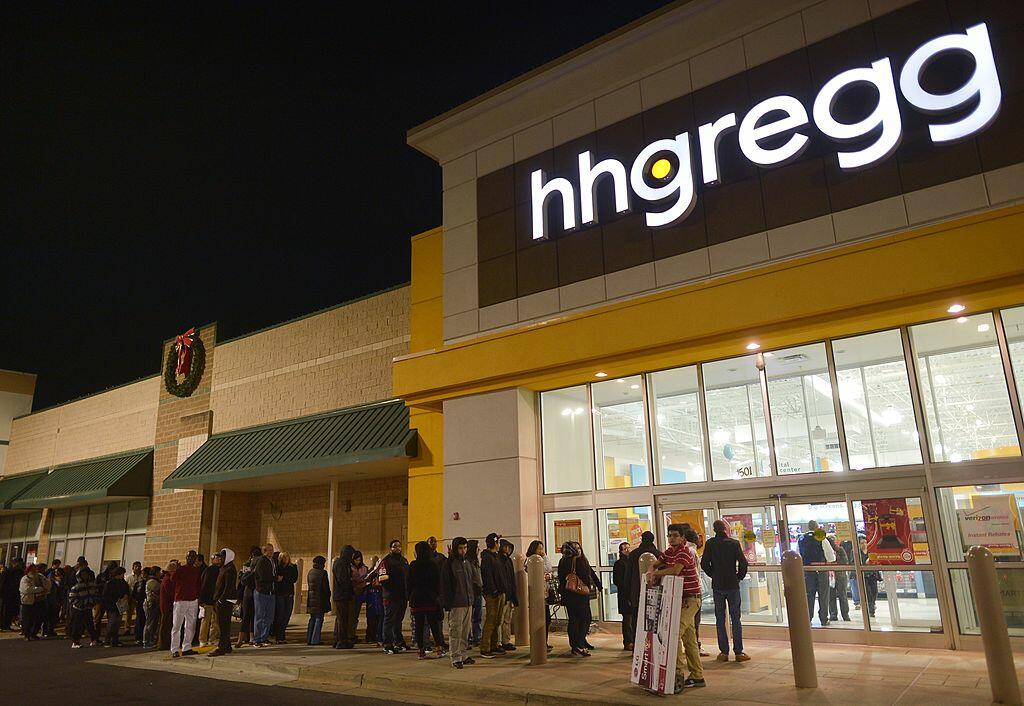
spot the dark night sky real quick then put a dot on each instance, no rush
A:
(169, 165)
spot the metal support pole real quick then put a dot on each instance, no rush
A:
(520, 617)
(297, 607)
(805, 672)
(330, 524)
(536, 605)
(214, 521)
(1002, 674)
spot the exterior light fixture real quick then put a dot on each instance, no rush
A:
(753, 346)
(956, 308)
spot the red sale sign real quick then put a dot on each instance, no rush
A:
(887, 527)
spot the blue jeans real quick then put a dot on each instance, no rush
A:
(282, 614)
(264, 615)
(314, 626)
(476, 631)
(732, 597)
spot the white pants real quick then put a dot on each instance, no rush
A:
(184, 612)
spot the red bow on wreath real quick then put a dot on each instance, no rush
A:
(183, 347)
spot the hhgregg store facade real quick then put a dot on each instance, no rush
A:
(757, 262)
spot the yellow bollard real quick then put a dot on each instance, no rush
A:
(805, 671)
(520, 619)
(536, 604)
(1002, 674)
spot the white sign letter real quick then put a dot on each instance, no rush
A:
(682, 182)
(539, 193)
(984, 83)
(589, 174)
(751, 132)
(708, 135)
(886, 114)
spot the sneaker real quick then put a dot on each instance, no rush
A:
(95, 643)
(703, 653)
(203, 644)
(742, 657)
(189, 652)
(487, 655)
(175, 654)
(259, 645)
(468, 661)
(75, 646)
(677, 687)
(499, 651)
(508, 647)
(457, 665)
(424, 655)
(691, 682)
(723, 657)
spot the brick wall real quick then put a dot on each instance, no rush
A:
(118, 420)
(238, 525)
(176, 516)
(333, 359)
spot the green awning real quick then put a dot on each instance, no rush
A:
(357, 435)
(13, 486)
(109, 478)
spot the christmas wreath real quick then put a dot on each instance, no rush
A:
(187, 359)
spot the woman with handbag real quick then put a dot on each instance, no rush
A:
(575, 580)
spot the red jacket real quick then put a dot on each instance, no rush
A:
(167, 594)
(186, 583)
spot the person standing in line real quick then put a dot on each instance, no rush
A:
(11, 594)
(423, 582)
(694, 541)
(263, 596)
(138, 594)
(81, 597)
(284, 595)
(476, 629)
(680, 559)
(342, 597)
(374, 605)
(816, 551)
(115, 594)
(633, 575)
(871, 578)
(508, 568)
(577, 605)
(318, 599)
(150, 634)
(394, 569)
(537, 547)
(360, 581)
(55, 598)
(620, 569)
(726, 564)
(33, 588)
(495, 596)
(246, 586)
(208, 629)
(167, 605)
(839, 600)
(225, 595)
(458, 592)
(133, 578)
(186, 606)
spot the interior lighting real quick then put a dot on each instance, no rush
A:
(753, 346)
(956, 308)
(600, 374)
(982, 328)
(962, 320)
(634, 387)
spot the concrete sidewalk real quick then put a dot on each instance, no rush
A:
(846, 675)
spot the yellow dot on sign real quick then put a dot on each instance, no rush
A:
(661, 169)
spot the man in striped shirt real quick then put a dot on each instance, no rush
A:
(680, 559)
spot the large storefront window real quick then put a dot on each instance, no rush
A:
(803, 416)
(964, 391)
(100, 533)
(736, 426)
(1013, 324)
(19, 537)
(620, 438)
(565, 416)
(874, 393)
(985, 515)
(679, 438)
(574, 526)
(1011, 591)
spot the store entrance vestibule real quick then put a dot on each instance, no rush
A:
(868, 566)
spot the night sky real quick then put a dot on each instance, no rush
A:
(169, 165)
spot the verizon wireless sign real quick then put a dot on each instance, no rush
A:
(665, 188)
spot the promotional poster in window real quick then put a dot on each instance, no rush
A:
(657, 635)
(887, 530)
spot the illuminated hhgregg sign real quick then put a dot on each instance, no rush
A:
(662, 174)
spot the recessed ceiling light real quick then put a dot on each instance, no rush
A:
(956, 308)
(982, 328)
(961, 320)
(621, 380)
(634, 387)
(601, 374)
(753, 346)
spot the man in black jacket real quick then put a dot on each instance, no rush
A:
(630, 601)
(115, 589)
(725, 563)
(343, 598)
(619, 577)
(508, 572)
(224, 599)
(394, 571)
(265, 571)
(208, 629)
(495, 596)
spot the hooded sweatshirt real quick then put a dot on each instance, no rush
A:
(225, 589)
(457, 579)
(423, 581)
(341, 575)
